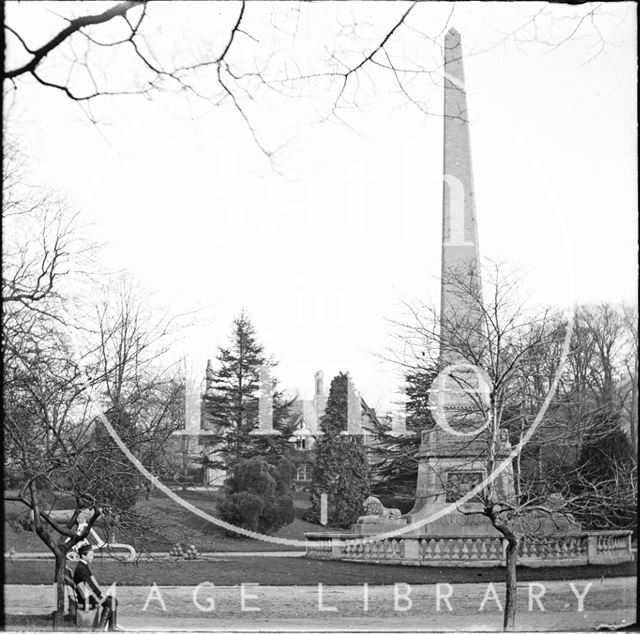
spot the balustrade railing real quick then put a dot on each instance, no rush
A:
(573, 549)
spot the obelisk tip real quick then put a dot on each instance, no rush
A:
(452, 39)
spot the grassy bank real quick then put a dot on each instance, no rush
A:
(171, 524)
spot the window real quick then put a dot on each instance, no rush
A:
(303, 471)
(301, 442)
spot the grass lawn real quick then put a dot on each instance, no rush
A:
(172, 524)
(296, 571)
(28, 622)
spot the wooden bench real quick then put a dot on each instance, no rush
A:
(87, 618)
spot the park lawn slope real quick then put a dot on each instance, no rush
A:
(172, 524)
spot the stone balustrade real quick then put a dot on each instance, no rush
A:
(383, 550)
(564, 550)
(609, 546)
(595, 547)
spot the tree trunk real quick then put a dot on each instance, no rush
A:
(58, 615)
(633, 419)
(510, 604)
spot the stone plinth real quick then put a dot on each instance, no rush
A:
(449, 466)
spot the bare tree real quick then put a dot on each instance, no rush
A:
(42, 391)
(243, 65)
(42, 240)
(137, 385)
(56, 441)
(57, 365)
(514, 349)
(629, 386)
(47, 427)
(593, 402)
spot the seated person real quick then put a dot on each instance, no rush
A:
(89, 592)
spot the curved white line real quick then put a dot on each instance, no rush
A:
(364, 540)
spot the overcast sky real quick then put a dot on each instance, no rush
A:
(323, 244)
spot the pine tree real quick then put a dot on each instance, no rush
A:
(418, 383)
(231, 408)
(396, 469)
(341, 467)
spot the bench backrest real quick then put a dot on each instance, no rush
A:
(70, 587)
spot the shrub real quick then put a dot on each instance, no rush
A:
(251, 509)
(284, 472)
(256, 496)
(285, 509)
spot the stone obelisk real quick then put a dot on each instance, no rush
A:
(451, 463)
(461, 317)
(461, 284)
(443, 529)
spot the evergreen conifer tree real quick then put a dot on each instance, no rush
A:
(418, 382)
(396, 464)
(231, 408)
(341, 467)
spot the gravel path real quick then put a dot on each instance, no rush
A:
(340, 608)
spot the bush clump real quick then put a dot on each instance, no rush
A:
(257, 496)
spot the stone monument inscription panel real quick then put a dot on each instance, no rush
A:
(459, 483)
